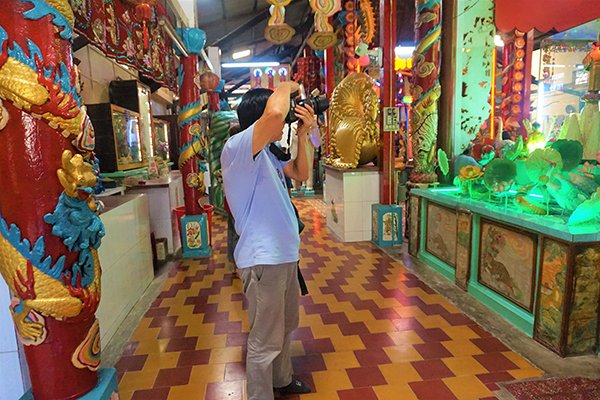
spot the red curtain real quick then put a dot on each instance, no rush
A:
(544, 15)
(113, 27)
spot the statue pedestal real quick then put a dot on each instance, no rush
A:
(349, 195)
(106, 389)
(195, 239)
(387, 224)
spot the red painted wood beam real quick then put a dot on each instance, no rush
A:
(387, 18)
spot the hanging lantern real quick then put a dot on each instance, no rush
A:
(210, 82)
(143, 13)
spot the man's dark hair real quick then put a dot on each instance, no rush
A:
(252, 106)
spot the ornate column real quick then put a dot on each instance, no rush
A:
(194, 147)
(387, 16)
(49, 227)
(189, 121)
(426, 90)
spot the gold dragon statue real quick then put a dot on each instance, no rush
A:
(354, 124)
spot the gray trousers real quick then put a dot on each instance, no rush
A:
(273, 295)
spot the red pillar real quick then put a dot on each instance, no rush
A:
(387, 9)
(46, 258)
(426, 90)
(192, 145)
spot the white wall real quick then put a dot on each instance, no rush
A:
(12, 381)
(189, 9)
(97, 71)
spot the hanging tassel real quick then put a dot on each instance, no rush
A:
(145, 36)
(144, 14)
(213, 101)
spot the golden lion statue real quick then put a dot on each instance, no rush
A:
(354, 123)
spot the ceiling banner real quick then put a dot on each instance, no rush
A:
(130, 34)
(544, 15)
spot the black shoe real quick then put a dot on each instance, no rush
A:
(295, 387)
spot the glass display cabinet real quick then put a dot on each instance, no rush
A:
(161, 139)
(135, 96)
(118, 138)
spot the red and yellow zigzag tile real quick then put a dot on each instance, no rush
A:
(368, 330)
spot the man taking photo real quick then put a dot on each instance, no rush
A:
(267, 252)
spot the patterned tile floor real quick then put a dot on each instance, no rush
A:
(368, 330)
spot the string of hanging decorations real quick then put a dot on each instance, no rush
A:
(277, 31)
(324, 35)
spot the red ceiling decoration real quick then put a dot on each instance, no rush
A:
(544, 15)
(130, 34)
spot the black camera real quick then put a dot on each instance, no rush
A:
(319, 104)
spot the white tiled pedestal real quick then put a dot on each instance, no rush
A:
(349, 194)
(126, 259)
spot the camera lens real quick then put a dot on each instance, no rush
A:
(319, 104)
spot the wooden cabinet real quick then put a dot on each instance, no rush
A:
(118, 138)
(161, 139)
(135, 96)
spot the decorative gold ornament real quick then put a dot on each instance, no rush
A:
(31, 326)
(52, 297)
(322, 40)
(76, 176)
(3, 116)
(277, 31)
(63, 7)
(279, 34)
(354, 122)
(368, 27)
(196, 181)
(189, 113)
(20, 85)
(87, 354)
(324, 35)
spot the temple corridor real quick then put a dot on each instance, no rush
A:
(369, 329)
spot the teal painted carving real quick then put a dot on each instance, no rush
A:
(42, 9)
(81, 230)
(36, 255)
(74, 222)
(193, 39)
(193, 117)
